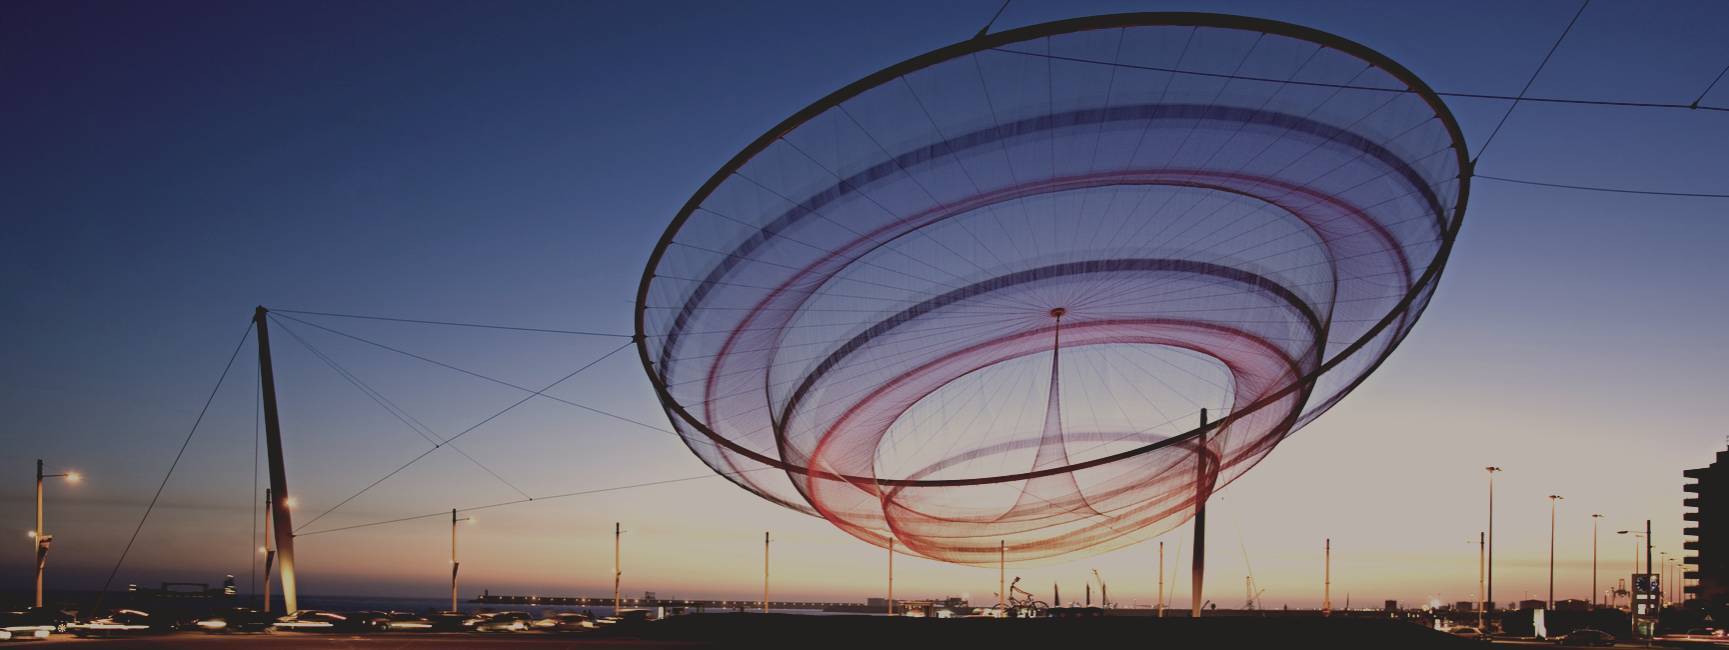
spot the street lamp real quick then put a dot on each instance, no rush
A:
(453, 563)
(1552, 499)
(1594, 518)
(1489, 593)
(42, 539)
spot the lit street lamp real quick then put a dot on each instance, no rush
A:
(41, 539)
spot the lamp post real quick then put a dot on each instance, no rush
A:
(1594, 518)
(1489, 592)
(1552, 499)
(41, 538)
(453, 563)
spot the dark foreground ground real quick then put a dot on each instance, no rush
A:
(793, 631)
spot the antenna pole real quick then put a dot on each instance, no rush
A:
(278, 474)
(1002, 573)
(1161, 599)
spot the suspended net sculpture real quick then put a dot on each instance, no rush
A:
(980, 299)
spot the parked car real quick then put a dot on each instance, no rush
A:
(53, 619)
(25, 625)
(1468, 632)
(312, 620)
(565, 622)
(405, 622)
(1587, 637)
(503, 622)
(449, 621)
(237, 619)
(122, 622)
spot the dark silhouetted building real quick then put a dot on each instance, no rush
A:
(1392, 606)
(1533, 604)
(1708, 529)
(1572, 605)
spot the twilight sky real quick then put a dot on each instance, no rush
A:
(170, 166)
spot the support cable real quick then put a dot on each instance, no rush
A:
(1530, 81)
(478, 375)
(501, 504)
(177, 456)
(1597, 188)
(541, 330)
(465, 432)
(1708, 88)
(414, 424)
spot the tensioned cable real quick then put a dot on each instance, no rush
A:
(1597, 188)
(465, 432)
(544, 498)
(1708, 88)
(472, 373)
(541, 330)
(1528, 82)
(1379, 89)
(414, 424)
(999, 14)
(177, 456)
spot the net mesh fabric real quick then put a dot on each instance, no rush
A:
(985, 299)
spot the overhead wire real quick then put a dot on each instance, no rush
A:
(1532, 80)
(126, 550)
(464, 432)
(414, 424)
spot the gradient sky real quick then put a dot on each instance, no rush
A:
(169, 166)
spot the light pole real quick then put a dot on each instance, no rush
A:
(453, 563)
(1594, 518)
(41, 538)
(1489, 592)
(1552, 499)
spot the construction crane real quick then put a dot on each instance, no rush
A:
(1104, 593)
(1253, 596)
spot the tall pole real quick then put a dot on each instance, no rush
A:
(1002, 573)
(454, 565)
(1489, 591)
(1161, 599)
(41, 554)
(269, 554)
(1480, 580)
(1648, 549)
(1203, 489)
(765, 572)
(617, 566)
(1552, 499)
(1594, 595)
(278, 474)
(891, 576)
(1327, 577)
